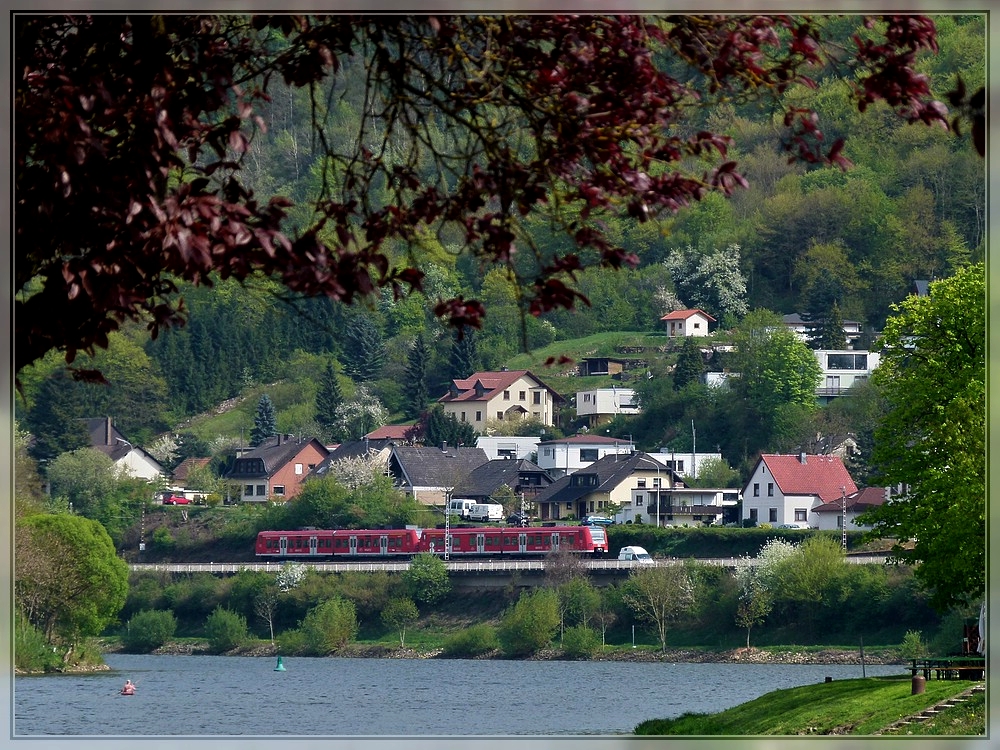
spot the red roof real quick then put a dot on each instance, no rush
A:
(858, 502)
(685, 314)
(391, 432)
(825, 476)
(491, 385)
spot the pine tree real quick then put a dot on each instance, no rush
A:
(464, 355)
(364, 350)
(329, 399)
(265, 422)
(444, 428)
(416, 379)
(55, 419)
(831, 331)
(689, 365)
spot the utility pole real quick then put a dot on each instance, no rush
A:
(843, 521)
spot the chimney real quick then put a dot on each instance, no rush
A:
(444, 446)
(802, 458)
(107, 431)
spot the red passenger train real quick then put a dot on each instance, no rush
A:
(487, 541)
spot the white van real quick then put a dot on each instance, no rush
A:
(486, 512)
(460, 508)
(636, 554)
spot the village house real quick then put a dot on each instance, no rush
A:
(617, 481)
(275, 469)
(783, 489)
(524, 478)
(430, 474)
(503, 396)
(136, 461)
(830, 516)
(681, 323)
(601, 405)
(566, 455)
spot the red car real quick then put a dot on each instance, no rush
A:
(176, 500)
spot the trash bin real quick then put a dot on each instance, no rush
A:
(918, 684)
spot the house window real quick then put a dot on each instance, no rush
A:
(640, 482)
(463, 417)
(479, 416)
(248, 489)
(656, 482)
(800, 514)
(500, 415)
(756, 490)
(546, 452)
(639, 501)
(537, 397)
(279, 489)
(772, 515)
(770, 489)
(697, 325)
(506, 395)
(569, 506)
(261, 490)
(588, 454)
(678, 466)
(522, 395)
(753, 515)
(298, 468)
(586, 398)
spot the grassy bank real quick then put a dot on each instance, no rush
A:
(855, 707)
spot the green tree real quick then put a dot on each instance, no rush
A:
(69, 580)
(932, 440)
(265, 423)
(464, 360)
(399, 614)
(658, 595)
(427, 579)
(417, 394)
(364, 350)
(147, 630)
(225, 630)
(55, 419)
(689, 364)
(444, 428)
(530, 624)
(329, 399)
(330, 626)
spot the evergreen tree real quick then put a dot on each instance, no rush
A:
(55, 420)
(823, 294)
(364, 350)
(265, 421)
(465, 358)
(416, 379)
(831, 332)
(689, 365)
(444, 428)
(329, 399)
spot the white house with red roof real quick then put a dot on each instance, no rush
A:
(784, 489)
(567, 455)
(831, 516)
(503, 396)
(687, 322)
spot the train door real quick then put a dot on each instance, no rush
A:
(352, 545)
(555, 541)
(313, 545)
(283, 546)
(383, 545)
(480, 543)
(522, 542)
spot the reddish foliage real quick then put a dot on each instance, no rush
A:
(129, 131)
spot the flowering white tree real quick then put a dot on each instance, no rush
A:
(361, 414)
(710, 281)
(357, 471)
(290, 576)
(755, 576)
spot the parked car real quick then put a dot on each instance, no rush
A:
(792, 526)
(597, 521)
(518, 519)
(175, 500)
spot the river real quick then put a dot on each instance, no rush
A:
(225, 696)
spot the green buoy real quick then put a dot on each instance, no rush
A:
(280, 667)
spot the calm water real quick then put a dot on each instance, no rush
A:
(230, 696)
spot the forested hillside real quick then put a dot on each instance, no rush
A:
(796, 240)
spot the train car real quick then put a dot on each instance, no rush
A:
(340, 543)
(352, 544)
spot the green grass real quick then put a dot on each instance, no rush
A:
(965, 719)
(859, 707)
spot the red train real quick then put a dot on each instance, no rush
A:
(352, 544)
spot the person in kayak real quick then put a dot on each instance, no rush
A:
(129, 688)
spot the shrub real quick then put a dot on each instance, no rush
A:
(148, 630)
(580, 642)
(475, 640)
(913, 646)
(225, 630)
(530, 624)
(330, 626)
(427, 579)
(32, 653)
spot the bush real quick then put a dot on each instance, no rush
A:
(530, 624)
(329, 626)
(427, 579)
(913, 646)
(148, 630)
(32, 653)
(580, 642)
(475, 640)
(225, 630)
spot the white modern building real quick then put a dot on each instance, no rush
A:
(604, 404)
(515, 446)
(567, 455)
